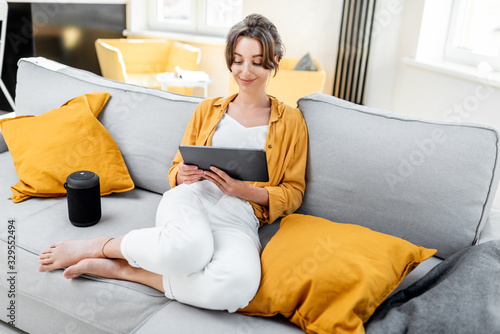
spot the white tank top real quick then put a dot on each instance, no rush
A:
(230, 133)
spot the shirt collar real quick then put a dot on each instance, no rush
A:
(277, 107)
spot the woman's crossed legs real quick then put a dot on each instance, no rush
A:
(221, 259)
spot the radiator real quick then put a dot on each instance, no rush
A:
(353, 50)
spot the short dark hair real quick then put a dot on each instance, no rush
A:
(258, 27)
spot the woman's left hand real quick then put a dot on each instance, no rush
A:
(226, 183)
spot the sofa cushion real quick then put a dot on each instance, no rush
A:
(429, 182)
(147, 124)
(83, 304)
(330, 277)
(43, 164)
(89, 303)
(181, 318)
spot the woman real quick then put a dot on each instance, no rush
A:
(204, 250)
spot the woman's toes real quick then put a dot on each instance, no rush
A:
(73, 271)
(46, 252)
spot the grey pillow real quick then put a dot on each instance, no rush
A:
(306, 63)
(430, 182)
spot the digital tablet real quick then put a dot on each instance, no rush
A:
(240, 163)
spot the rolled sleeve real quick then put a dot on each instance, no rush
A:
(286, 197)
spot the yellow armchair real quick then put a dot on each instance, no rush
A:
(289, 85)
(138, 61)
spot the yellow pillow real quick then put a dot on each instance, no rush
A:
(49, 147)
(328, 277)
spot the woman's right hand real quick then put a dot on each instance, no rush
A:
(188, 174)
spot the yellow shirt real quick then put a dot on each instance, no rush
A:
(286, 150)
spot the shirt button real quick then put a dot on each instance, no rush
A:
(270, 146)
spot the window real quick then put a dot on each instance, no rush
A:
(474, 33)
(202, 17)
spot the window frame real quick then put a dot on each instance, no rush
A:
(455, 54)
(197, 26)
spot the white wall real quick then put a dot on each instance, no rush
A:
(395, 32)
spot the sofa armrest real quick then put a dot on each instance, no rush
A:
(491, 230)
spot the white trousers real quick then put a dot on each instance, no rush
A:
(205, 245)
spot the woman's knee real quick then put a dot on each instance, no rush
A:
(177, 210)
(187, 244)
(187, 255)
(233, 293)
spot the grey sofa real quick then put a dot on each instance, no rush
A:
(431, 183)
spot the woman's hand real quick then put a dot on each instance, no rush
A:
(188, 174)
(227, 184)
(237, 188)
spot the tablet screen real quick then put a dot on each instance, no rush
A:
(244, 164)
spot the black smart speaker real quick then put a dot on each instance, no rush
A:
(84, 198)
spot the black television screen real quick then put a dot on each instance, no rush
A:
(66, 32)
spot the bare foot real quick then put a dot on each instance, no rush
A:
(117, 269)
(66, 253)
(107, 268)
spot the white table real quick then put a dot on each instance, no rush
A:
(171, 79)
